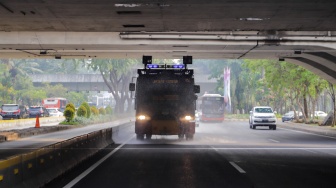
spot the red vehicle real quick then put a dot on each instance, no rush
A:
(212, 108)
(59, 103)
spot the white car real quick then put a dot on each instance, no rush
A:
(320, 114)
(262, 116)
(197, 119)
(54, 112)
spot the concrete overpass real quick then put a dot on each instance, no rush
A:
(94, 82)
(302, 31)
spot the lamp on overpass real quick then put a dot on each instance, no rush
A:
(297, 52)
(43, 52)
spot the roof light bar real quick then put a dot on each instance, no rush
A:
(154, 66)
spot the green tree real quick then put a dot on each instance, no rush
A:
(332, 93)
(117, 74)
(76, 98)
(94, 110)
(55, 90)
(102, 111)
(109, 110)
(32, 97)
(215, 69)
(71, 105)
(288, 80)
(82, 112)
(69, 113)
(88, 109)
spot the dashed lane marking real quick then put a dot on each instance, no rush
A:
(237, 167)
(90, 169)
(273, 140)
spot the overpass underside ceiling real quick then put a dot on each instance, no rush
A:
(217, 45)
(168, 15)
(204, 29)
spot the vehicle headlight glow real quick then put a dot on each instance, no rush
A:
(187, 117)
(142, 117)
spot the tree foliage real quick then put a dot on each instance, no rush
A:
(102, 111)
(88, 109)
(82, 112)
(117, 74)
(94, 111)
(69, 114)
(109, 110)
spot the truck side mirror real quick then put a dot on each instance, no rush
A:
(197, 89)
(131, 87)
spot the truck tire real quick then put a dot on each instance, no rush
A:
(181, 136)
(140, 136)
(189, 137)
(148, 136)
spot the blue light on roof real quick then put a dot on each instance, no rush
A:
(178, 66)
(152, 66)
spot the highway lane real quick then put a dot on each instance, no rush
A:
(227, 154)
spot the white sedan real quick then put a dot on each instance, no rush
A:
(320, 114)
(262, 116)
(54, 112)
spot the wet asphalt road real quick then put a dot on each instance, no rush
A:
(227, 154)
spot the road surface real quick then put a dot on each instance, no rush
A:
(227, 154)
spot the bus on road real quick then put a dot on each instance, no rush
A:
(212, 108)
(56, 102)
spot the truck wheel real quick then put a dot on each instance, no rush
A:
(148, 136)
(140, 136)
(181, 136)
(254, 127)
(189, 136)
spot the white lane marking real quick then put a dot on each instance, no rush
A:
(90, 169)
(232, 163)
(273, 140)
(221, 148)
(309, 133)
(214, 148)
(309, 151)
(237, 167)
(217, 148)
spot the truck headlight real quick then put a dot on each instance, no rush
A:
(142, 117)
(187, 118)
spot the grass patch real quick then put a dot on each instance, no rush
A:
(95, 119)
(237, 116)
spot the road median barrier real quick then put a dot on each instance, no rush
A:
(28, 122)
(36, 168)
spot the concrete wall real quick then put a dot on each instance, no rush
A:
(39, 167)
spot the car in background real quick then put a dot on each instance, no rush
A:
(262, 116)
(197, 119)
(38, 111)
(54, 112)
(13, 111)
(289, 116)
(320, 114)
